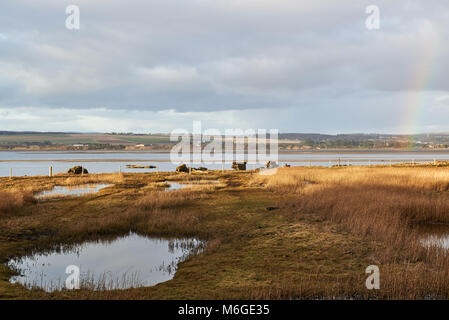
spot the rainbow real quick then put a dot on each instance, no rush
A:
(421, 76)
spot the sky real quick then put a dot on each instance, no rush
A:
(150, 66)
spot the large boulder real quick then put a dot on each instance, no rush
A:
(78, 170)
(239, 166)
(182, 168)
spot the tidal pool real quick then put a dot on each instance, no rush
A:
(125, 262)
(189, 184)
(434, 235)
(177, 186)
(78, 191)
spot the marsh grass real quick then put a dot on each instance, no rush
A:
(162, 200)
(331, 224)
(379, 204)
(11, 201)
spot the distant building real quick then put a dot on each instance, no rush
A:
(78, 145)
(140, 145)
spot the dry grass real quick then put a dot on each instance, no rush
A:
(293, 179)
(113, 178)
(379, 204)
(12, 201)
(331, 224)
(171, 199)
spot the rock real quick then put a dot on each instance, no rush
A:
(182, 168)
(239, 166)
(78, 170)
(139, 166)
(272, 208)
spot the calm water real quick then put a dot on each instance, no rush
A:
(130, 261)
(71, 190)
(434, 235)
(38, 163)
(183, 185)
(177, 186)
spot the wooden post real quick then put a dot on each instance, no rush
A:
(157, 169)
(222, 167)
(339, 162)
(82, 171)
(10, 173)
(190, 169)
(310, 164)
(50, 172)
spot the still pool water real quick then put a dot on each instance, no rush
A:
(125, 262)
(183, 185)
(76, 191)
(434, 235)
(177, 186)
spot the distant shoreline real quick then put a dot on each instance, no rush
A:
(327, 151)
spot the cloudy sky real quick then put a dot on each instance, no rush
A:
(156, 65)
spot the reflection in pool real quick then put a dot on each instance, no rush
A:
(434, 235)
(190, 184)
(126, 262)
(177, 186)
(78, 191)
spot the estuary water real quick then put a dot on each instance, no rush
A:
(30, 163)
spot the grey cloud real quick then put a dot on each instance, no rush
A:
(208, 56)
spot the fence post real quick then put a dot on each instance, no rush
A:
(222, 167)
(310, 164)
(50, 172)
(82, 171)
(10, 173)
(339, 162)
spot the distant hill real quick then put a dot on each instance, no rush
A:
(287, 141)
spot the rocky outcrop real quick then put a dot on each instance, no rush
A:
(185, 168)
(182, 168)
(78, 170)
(239, 166)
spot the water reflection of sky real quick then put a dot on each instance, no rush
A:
(141, 261)
(434, 235)
(71, 190)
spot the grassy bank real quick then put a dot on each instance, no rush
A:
(325, 227)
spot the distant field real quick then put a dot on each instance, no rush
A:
(68, 139)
